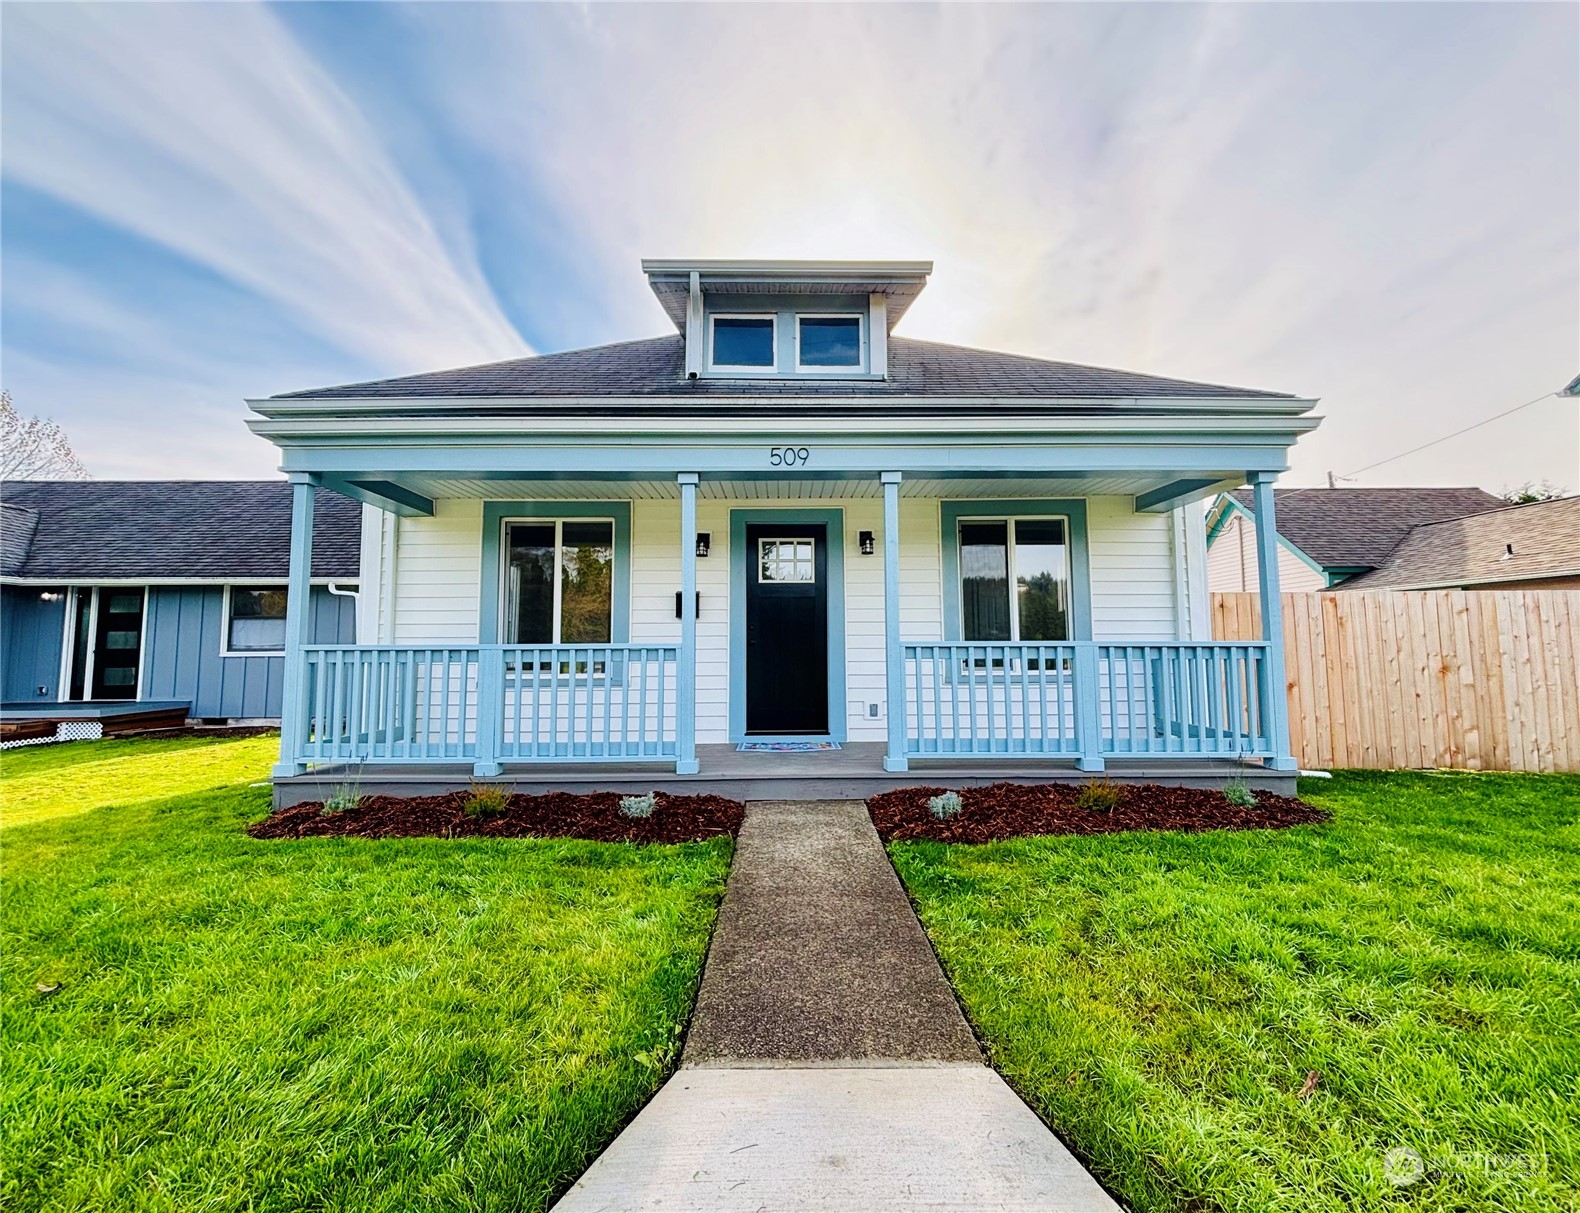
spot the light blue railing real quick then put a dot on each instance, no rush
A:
(1084, 699)
(990, 699)
(1187, 699)
(488, 703)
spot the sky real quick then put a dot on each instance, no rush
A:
(1376, 205)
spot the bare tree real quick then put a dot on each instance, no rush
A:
(35, 448)
(1533, 490)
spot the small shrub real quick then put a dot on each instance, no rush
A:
(487, 800)
(1238, 792)
(944, 806)
(341, 797)
(1100, 796)
(638, 806)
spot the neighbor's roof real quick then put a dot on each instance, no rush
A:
(130, 529)
(655, 368)
(1360, 528)
(1517, 543)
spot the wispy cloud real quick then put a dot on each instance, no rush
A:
(207, 129)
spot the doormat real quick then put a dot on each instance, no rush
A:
(784, 747)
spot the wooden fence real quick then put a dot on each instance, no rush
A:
(1481, 680)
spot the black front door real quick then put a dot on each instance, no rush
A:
(118, 644)
(786, 628)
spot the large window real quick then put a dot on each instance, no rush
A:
(256, 619)
(1014, 579)
(743, 343)
(559, 582)
(828, 342)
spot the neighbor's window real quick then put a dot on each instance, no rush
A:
(828, 341)
(257, 619)
(745, 342)
(1035, 604)
(559, 582)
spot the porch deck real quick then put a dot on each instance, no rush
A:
(854, 772)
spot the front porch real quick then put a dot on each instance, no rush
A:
(853, 772)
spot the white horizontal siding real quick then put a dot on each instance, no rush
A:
(1231, 563)
(438, 574)
(1132, 564)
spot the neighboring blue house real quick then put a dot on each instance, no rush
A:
(778, 531)
(134, 601)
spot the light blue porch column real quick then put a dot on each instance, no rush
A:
(1088, 702)
(686, 674)
(298, 613)
(894, 668)
(490, 710)
(1275, 691)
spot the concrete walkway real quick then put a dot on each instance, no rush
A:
(828, 1066)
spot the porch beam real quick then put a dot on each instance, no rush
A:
(1275, 689)
(686, 674)
(894, 653)
(1166, 497)
(298, 613)
(385, 495)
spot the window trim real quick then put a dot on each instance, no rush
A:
(491, 604)
(225, 613)
(730, 368)
(559, 569)
(854, 368)
(1071, 509)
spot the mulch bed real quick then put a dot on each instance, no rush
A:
(595, 816)
(1008, 810)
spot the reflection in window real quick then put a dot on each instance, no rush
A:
(785, 560)
(746, 341)
(257, 619)
(1037, 550)
(559, 582)
(829, 340)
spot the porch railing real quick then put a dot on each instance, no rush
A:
(488, 703)
(1084, 699)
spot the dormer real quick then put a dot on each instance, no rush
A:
(786, 319)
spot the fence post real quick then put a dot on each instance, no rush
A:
(894, 654)
(1275, 691)
(298, 621)
(490, 709)
(1088, 717)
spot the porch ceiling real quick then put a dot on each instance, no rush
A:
(796, 489)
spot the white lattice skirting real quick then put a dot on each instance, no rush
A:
(66, 730)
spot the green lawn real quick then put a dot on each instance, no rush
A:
(1160, 998)
(330, 1024)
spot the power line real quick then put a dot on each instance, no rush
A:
(1476, 426)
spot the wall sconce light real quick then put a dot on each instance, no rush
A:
(703, 539)
(868, 545)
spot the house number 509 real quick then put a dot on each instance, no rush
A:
(788, 456)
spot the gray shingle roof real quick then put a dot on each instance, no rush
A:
(150, 529)
(1359, 528)
(1517, 543)
(17, 525)
(656, 368)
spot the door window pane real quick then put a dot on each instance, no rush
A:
(1042, 579)
(743, 341)
(984, 580)
(830, 341)
(786, 560)
(529, 586)
(586, 582)
(257, 619)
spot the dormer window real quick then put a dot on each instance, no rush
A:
(742, 343)
(828, 342)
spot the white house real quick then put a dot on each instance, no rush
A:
(781, 527)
